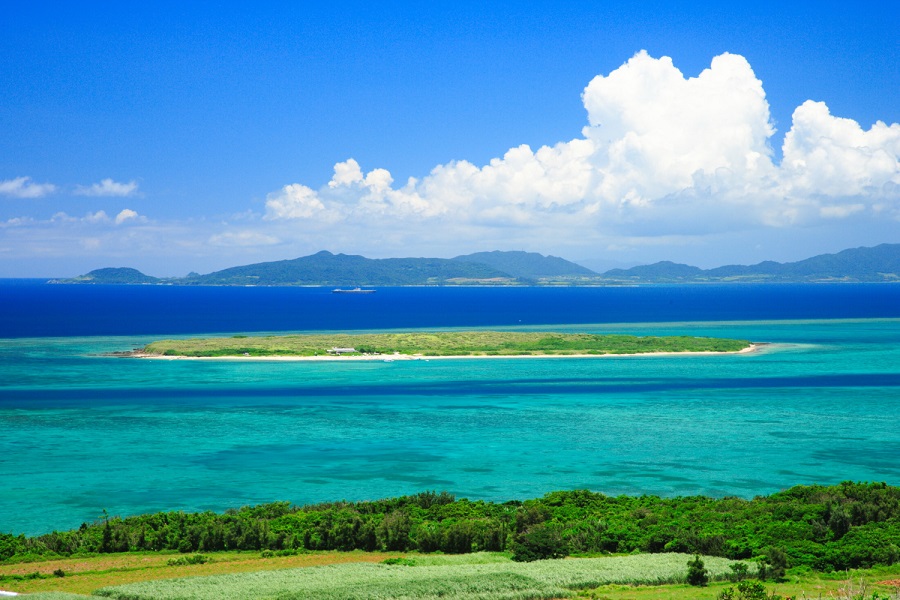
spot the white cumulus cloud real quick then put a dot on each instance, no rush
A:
(108, 187)
(830, 156)
(661, 154)
(24, 187)
(97, 217)
(294, 201)
(127, 215)
(655, 131)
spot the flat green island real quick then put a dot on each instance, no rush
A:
(434, 344)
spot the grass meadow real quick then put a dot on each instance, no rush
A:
(480, 576)
(485, 576)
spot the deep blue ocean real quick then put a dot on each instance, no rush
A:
(31, 309)
(81, 432)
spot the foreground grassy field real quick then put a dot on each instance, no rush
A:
(352, 575)
(481, 575)
(457, 343)
(881, 583)
(83, 575)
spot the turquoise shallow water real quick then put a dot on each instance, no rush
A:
(83, 433)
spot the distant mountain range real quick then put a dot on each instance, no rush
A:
(878, 264)
(325, 268)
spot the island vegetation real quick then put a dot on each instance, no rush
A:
(791, 534)
(438, 344)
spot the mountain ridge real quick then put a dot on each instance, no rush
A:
(348, 269)
(527, 265)
(864, 264)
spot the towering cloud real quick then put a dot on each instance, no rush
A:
(656, 133)
(835, 158)
(693, 153)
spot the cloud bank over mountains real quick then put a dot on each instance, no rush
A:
(664, 162)
(692, 154)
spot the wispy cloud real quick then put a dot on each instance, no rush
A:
(100, 238)
(23, 187)
(98, 218)
(108, 187)
(243, 238)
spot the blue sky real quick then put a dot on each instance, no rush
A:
(177, 138)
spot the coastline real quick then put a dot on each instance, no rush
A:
(752, 348)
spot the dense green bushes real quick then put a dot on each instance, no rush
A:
(826, 528)
(11, 545)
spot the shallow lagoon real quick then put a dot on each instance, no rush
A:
(84, 433)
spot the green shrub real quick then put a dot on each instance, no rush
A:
(539, 542)
(196, 559)
(750, 590)
(697, 573)
(398, 560)
(773, 564)
(393, 533)
(739, 572)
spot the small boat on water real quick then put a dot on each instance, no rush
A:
(356, 290)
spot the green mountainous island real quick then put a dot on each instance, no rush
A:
(877, 264)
